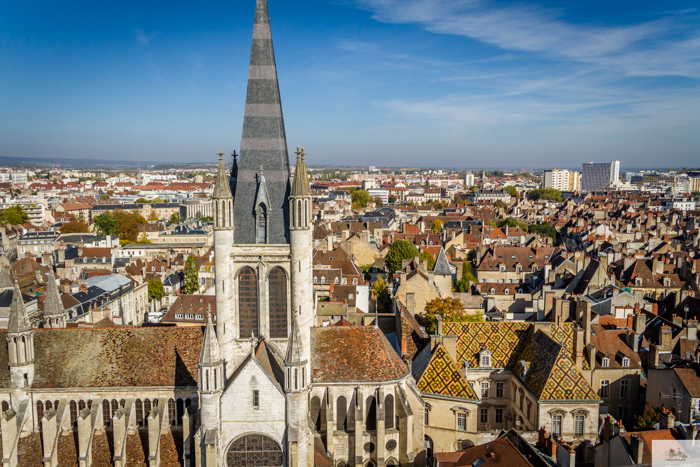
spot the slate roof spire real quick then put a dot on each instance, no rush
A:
(263, 143)
(53, 306)
(442, 266)
(19, 321)
(222, 189)
(211, 353)
(234, 172)
(301, 187)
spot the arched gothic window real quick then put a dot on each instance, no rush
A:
(389, 410)
(252, 450)
(278, 303)
(248, 310)
(371, 422)
(262, 224)
(342, 409)
(299, 213)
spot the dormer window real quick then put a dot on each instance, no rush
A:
(605, 362)
(502, 268)
(506, 291)
(626, 362)
(484, 359)
(638, 281)
(492, 291)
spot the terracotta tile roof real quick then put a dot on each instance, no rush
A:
(353, 353)
(611, 343)
(690, 380)
(112, 357)
(441, 377)
(650, 436)
(500, 452)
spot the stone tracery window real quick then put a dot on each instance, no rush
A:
(248, 310)
(278, 303)
(254, 450)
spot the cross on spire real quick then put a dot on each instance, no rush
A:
(220, 154)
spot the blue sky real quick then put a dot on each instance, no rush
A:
(443, 83)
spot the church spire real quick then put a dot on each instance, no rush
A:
(263, 143)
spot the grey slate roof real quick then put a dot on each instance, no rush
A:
(442, 266)
(5, 280)
(263, 143)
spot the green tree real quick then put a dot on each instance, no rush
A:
(382, 295)
(399, 251)
(437, 226)
(378, 201)
(449, 309)
(647, 420)
(458, 200)
(142, 201)
(466, 279)
(15, 215)
(104, 197)
(175, 218)
(207, 219)
(125, 226)
(545, 193)
(430, 258)
(511, 222)
(104, 224)
(360, 198)
(512, 191)
(74, 227)
(696, 193)
(544, 230)
(156, 291)
(392, 199)
(191, 276)
(152, 217)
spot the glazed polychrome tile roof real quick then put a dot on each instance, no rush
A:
(442, 378)
(552, 374)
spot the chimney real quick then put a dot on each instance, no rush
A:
(578, 347)
(692, 330)
(653, 358)
(606, 428)
(633, 341)
(665, 337)
(586, 318)
(431, 279)
(411, 303)
(655, 308)
(667, 419)
(590, 348)
(639, 323)
(542, 437)
(636, 448)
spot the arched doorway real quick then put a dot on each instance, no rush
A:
(429, 446)
(254, 450)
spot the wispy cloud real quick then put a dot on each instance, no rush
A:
(144, 38)
(644, 48)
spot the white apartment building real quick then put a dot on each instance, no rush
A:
(468, 180)
(562, 180)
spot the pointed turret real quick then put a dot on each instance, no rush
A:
(222, 188)
(211, 376)
(300, 187)
(211, 354)
(263, 143)
(20, 342)
(5, 280)
(54, 313)
(222, 199)
(19, 321)
(442, 266)
(294, 351)
(300, 197)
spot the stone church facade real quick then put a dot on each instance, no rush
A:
(264, 387)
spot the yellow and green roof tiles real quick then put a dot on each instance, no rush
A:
(442, 378)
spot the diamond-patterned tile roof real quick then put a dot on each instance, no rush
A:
(442, 378)
(552, 373)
